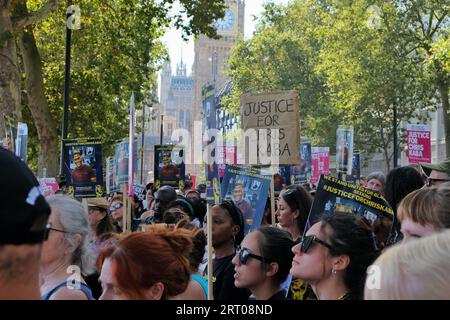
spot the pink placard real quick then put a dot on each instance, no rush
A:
(419, 143)
(320, 162)
(48, 186)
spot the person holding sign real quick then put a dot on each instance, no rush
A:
(263, 261)
(334, 255)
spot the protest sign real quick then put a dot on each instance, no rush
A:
(281, 176)
(83, 167)
(320, 160)
(209, 106)
(301, 174)
(139, 191)
(22, 141)
(248, 189)
(169, 166)
(335, 195)
(110, 175)
(48, 186)
(356, 169)
(344, 149)
(10, 134)
(419, 143)
(121, 161)
(275, 120)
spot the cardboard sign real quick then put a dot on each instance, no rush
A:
(83, 167)
(275, 119)
(48, 186)
(248, 189)
(320, 158)
(419, 143)
(169, 166)
(335, 195)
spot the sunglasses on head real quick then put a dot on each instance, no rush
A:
(307, 241)
(116, 206)
(244, 254)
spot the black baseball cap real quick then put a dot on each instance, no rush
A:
(24, 211)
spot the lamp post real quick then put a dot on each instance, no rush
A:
(65, 119)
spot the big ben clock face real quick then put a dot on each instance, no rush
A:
(227, 23)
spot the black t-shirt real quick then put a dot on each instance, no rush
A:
(223, 282)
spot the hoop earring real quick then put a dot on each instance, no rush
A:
(333, 271)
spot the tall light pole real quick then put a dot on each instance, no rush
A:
(65, 119)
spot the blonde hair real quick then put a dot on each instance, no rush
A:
(427, 206)
(414, 270)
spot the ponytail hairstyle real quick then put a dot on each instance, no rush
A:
(297, 198)
(275, 245)
(351, 235)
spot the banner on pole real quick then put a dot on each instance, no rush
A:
(320, 159)
(419, 143)
(169, 166)
(275, 120)
(83, 167)
(110, 175)
(344, 149)
(248, 189)
(301, 174)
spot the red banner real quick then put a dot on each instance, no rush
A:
(48, 186)
(320, 162)
(419, 143)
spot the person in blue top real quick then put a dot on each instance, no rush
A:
(65, 254)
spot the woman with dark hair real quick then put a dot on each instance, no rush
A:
(399, 183)
(293, 209)
(263, 261)
(227, 234)
(149, 265)
(334, 255)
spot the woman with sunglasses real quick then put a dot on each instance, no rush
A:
(334, 255)
(116, 211)
(263, 261)
(66, 249)
(227, 234)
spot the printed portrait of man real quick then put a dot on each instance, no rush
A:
(242, 204)
(82, 173)
(168, 171)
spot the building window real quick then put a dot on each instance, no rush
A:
(188, 118)
(180, 119)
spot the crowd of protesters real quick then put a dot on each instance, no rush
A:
(56, 248)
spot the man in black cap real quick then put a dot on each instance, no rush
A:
(23, 222)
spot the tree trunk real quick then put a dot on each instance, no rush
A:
(37, 102)
(9, 71)
(443, 91)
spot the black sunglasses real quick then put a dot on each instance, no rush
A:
(306, 242)
(49, 228)
(245, 254)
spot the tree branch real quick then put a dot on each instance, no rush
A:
(437, 25)
(32, 18)
(430, 22)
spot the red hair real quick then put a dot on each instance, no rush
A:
(159, 254)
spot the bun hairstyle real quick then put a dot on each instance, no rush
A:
(297, 198)
(351, 235)
(236, 216)
(159, 254)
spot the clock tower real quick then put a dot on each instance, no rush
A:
(211, 55)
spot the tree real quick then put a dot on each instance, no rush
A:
(116, 52)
